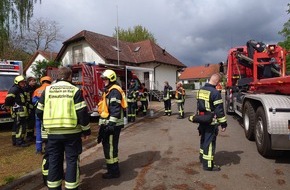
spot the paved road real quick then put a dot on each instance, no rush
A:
(161, 152)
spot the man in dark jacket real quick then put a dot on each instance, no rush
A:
(132, 101)
(65, 116)
(167, 95)
(143, 95)
(209, 103)
(29, 89)
(17, 102)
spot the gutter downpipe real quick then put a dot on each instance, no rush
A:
(154, 75)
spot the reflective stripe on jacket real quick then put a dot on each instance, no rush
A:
(63, 108)
(112, 105)
(16, 98)
(210, 100)
(180, 94)
(103, 104)
(167, 92)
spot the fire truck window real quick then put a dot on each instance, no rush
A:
(7, 82)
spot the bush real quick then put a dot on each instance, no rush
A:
(188, 86)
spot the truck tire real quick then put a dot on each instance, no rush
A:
(263, 140)
(249, 121)
(227, 107)
(227, 104)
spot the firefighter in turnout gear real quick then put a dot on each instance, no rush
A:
(167, 93)
(132, 101)
(29, 89)
(209, 103)
(111, 110)
(180, 98)
(17, 102)
(143, 95)
(64, 115)
(41, 134)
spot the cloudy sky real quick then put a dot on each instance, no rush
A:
(196, 32)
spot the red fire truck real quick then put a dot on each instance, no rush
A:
(9, 69)
(258, 91)
(87, 76)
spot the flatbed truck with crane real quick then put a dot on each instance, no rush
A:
(258, 90)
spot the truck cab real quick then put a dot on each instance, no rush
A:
(9, 69)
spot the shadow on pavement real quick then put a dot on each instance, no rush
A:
(142, 161)
(225, 158)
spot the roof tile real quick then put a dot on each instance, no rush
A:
(199, 72)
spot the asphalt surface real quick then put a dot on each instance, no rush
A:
(161, 152)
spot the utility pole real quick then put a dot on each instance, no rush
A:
(118, 48)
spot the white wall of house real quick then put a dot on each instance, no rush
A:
(197, 85)
(140, 75)
(29, 72)
(88, 54)
(165, 73)
(162, 73)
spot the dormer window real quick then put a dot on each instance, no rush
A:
(115, 48)
(137, 49)
(77, 54)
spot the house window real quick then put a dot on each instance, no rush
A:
(77, 54)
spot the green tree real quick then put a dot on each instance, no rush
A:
(14, 14)
(285, 32)
(40, 68)
(137, 34)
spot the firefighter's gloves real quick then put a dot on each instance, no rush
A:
(101, 133)
(191, 118)
(224, 125)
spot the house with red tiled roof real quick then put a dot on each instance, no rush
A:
(198, 75)
(39, 55)
(87, 46)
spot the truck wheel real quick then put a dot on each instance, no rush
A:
(249, 121)
(263, 141)
(227, 105)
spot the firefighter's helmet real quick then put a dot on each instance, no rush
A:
(110, 75)
(45, 78)
(19, 79)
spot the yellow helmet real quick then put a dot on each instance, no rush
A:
(109, 74)
(45, 78)
(19, 79)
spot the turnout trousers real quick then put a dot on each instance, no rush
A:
(30, 126)
(44, 165)
(19, 130)
(110, 145)
(144, 106)
(180, 106)
(57, 148)
(131, 111)
(167, 107)
(208, 134)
